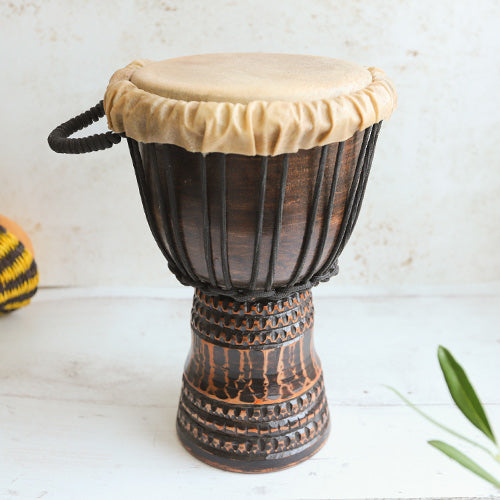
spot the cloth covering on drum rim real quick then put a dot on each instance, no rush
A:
(324, 100)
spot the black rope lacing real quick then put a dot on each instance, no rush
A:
(167, 232)
(59, 138)
(169, 239)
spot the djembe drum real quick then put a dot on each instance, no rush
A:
(251, 170)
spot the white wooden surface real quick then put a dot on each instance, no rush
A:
(89, 382)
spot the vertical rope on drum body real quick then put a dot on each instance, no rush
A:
(223, 231)
(277, 225)
(329, 211)
(311, 218)
(366, 172)
(260, 221)
(348, 207)
(172, 201)
(145, 196)
(169, 238)
(359, 192)
(207, 238)
(165, 226)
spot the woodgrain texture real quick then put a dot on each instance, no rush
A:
(253, 398)
(253, 235)
(253, 227)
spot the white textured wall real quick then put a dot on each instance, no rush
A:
(432, 209)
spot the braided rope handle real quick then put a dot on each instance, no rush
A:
(59, 138)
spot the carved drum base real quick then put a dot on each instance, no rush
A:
(253, 398)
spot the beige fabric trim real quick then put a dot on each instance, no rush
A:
(256, 128)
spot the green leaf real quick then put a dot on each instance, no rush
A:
(463, 393)
(465, 461)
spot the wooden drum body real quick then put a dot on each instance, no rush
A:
(252, 169)
(253, 234)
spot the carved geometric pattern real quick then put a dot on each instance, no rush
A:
(227, 304)
(246, 431)
(261, 323)
(253, 397)
(253, 412)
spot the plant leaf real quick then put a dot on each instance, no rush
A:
(465, 461)
(463, 393)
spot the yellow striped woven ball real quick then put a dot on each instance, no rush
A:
(18, 270)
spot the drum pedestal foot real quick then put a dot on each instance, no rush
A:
(253, 398)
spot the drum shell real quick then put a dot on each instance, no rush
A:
(216, 203)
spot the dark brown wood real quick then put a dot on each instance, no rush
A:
(253, 235)
(182, 168)
(253, 398)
